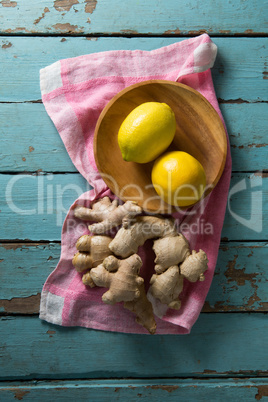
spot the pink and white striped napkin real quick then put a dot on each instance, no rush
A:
(74, 92)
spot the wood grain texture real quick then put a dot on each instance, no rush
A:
(174, 390)
(35, 206)
(34, 349)
(24, 270)
(41, 149)
(230, 337)
(239, 72)
(42, 207)
(106, 17)
(240, 279)
(239, 283)
(247, 129)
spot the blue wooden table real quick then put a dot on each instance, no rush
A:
(226, 355)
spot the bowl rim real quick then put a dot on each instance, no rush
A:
(173, 83)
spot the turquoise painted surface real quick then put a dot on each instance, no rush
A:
(150, 17)
(220, 344)
(240, 280)
(239, 71)
(237, 285)
(40, 146)
(24, 269)
(156, 390)
(224, 342)
(38, 203)
(247, 128)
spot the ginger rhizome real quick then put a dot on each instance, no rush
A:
(194, 266)
(120, 276)
(169, 251)
(91, 251)
(124, 283)
(167, 287)
(143, 310)
(115, 264)
(108, 214)
(133, 234)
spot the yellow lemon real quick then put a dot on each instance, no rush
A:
(146, 132)
(178, 178)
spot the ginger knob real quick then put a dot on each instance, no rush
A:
(194, 266)
(108, 214)
(87, 280)
(167, 287)
(135, 233)
(92, 250)
(82, 261)
(120, 276)
(170, 251)
(143, 310)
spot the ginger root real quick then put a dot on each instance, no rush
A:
(194, 266)
(173, 259)
(167, 287)
(170, 251)
(108, 214)
(84, 243)
(143, 310)
(82, 261)
(87, 280)
(100, 209)
(92, 250)
(131, 236)
(120, 276)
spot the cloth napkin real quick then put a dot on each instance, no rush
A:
(74, 92)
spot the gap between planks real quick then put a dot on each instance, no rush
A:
(137, 381)
(7, 315)
(137, 35)
(263, 172)
(220, 101)
(24, 242)
(206, 375)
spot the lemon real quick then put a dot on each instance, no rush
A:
(146, 132)
(178, 178)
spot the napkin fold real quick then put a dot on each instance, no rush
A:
(74, 92)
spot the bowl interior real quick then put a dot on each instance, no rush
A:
(199, 131)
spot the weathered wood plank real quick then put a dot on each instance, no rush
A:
(40, 147)
(38, 203)
(239, 284)
(173, 18)
(217, 345)
(24, 269)
(157, 390)
(247, 128)
(35, 205)
(240, 279)
(236, 74)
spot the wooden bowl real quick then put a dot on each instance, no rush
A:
(199, 131)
